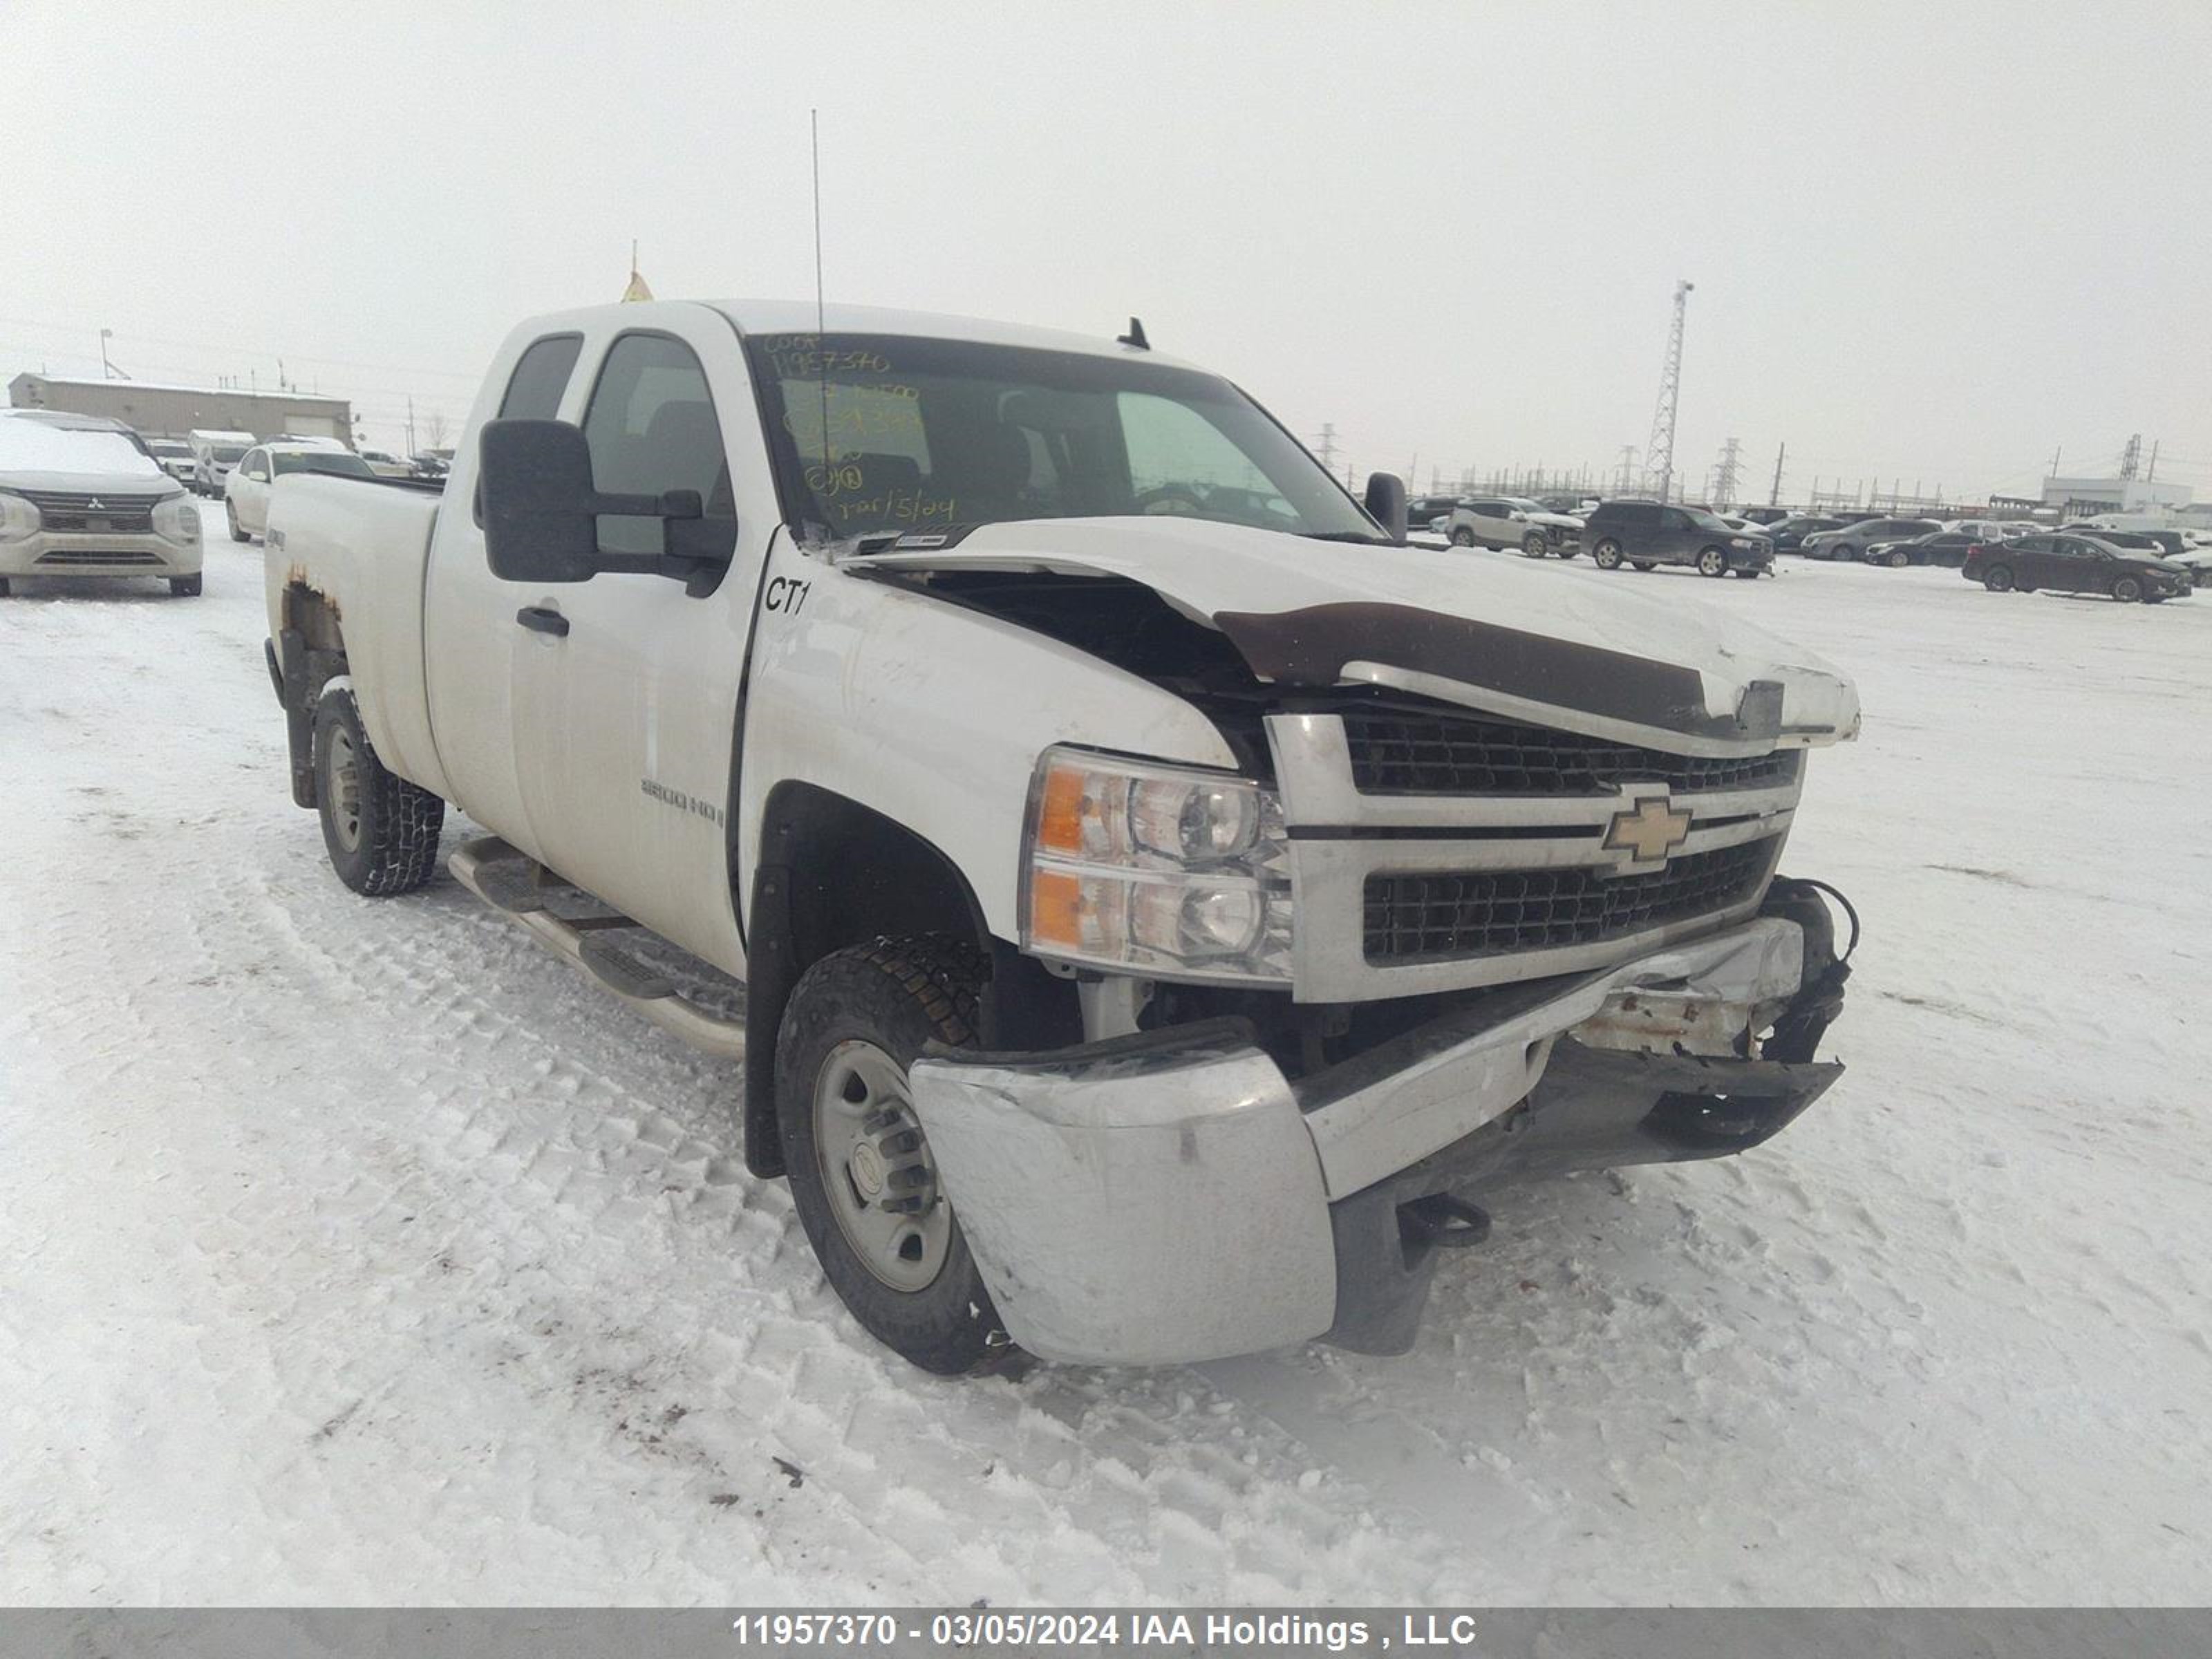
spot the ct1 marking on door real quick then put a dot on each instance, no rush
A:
(787, 594)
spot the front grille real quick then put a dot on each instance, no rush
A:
(73, 511)
(1428, 754)
(83, 555)
(1486, 912)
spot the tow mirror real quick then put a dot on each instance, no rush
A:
(1386, 503)
(541, 511)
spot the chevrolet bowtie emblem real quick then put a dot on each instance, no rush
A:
(1649, 830)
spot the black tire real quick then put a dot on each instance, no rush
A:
(186, 588)
(1998, 579)
(1897, 561)
(5, 589)
(2127, 589)
(230, 512)
(1712, 562)
(1462, 536)
(1647, 566)
(1843, 553)
(894, 995)
(381, 830)
(1606, 555)
(1534, 545)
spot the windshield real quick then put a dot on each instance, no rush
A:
(169, 451)
(320, 460)
(881, 432)
(227, 453)
(35, 446)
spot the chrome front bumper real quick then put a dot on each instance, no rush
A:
(1174, 1197)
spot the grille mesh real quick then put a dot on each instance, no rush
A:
(1484, 913)
(73, 510)
(1421, 755)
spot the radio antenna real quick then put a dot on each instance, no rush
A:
(821, 311)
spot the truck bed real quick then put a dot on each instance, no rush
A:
(365, 552)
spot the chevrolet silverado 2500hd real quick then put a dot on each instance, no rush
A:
(1164, 902)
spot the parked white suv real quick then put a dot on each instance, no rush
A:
(1515, 521)
(80, 497)
(246, 493)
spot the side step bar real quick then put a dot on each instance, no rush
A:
(510, 882)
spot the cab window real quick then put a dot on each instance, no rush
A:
(541, 375)
(651, 427)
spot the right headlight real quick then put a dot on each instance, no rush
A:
(1166, 871)
(18, 520)
(175, 518)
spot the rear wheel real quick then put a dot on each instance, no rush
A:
(230, 512)
(1606, 555)
(2127, 589)
(1998, 579)
(1462, 536)
(1712, 562)
(861, 1175)
(1534, 545)
(381, 832)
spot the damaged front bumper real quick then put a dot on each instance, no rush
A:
(1173, 1196)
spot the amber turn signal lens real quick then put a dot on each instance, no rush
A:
(1056, 907)
(1059, 814)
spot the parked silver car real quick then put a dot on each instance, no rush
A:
(81, 496)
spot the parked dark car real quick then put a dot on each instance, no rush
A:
(1945, 547)
(2133, 541)
(1852, 540)
(2073, 564)
(1789, 534)
(1646, 534)
(1424, 510)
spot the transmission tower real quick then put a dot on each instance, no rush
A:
(1327, 445)
(1724, 473)
(1659, 454)
(1774, 499)
(1627, 467)
(2132, 457)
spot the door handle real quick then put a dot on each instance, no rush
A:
(543, 619)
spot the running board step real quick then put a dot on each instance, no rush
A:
(510, 882)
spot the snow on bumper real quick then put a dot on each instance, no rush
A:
(1173, 1197)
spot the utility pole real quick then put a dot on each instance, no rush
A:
(2131, 456)
(2055, 454)
(1659, 454)
(410, 424)
(107, 368)
(2153, 473)
(1774, 496)
(1628, 467)
(1724, 474)
(1327, 445)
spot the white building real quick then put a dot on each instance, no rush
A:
(2078, 498)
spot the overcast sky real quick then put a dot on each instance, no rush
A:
(1929, 243)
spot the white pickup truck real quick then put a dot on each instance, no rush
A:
(1164, 902)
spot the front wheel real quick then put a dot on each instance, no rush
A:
(1998, 579)
(1606, 555)
(1897, 561)
(1462, 536)
(1712, 562)
(2127, 589)
(1534, 545)
(381, 832)
(230, 512)
(186, 588)
(862, 1178)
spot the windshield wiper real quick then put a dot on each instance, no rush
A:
(1359, 536)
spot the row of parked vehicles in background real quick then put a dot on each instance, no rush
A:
(2145, 560)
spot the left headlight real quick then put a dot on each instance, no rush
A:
(18, 520)
(176, 518)
(1165, 871)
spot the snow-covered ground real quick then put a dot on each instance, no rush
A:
(355, 1252)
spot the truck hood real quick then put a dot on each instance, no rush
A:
(1566, 648)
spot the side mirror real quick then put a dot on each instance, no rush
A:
(541, 511)
(1386, 503)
